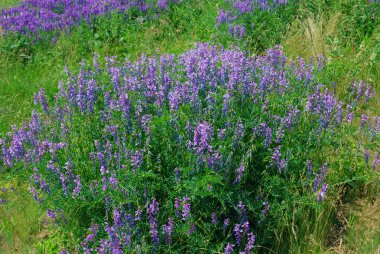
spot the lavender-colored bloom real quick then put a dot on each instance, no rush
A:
(117, 218)
(363, 120)
(368, 93)
(214, 218)
(229, 249)
(221, 134)
(125, 106)
(226, 100)
(282, 165)
(366, 156)
(138, 214)
(322, 193)
(146, 120)
(202, 136)
(94, 231)
(268, 136)
(152, 211)
(239, 173)
(78, 186)
(230, 30)
(245, 227)
(113, 181)
(177, 206)
(185, 208)
(62, 178)
(168, 230)
(153, 208)
(250, 244)
(43, 100)
(226, 223)
(136, 160)
(276, 157)
(162, 4)
(105, 183)
(238, 233)
(242, 208)
(319, 178)
(174, 100)
(52, 214)
(309, 167)
(239, 131)
(350, 114)
(339, 113)
(35, 194)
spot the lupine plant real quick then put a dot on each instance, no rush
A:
(191, 153)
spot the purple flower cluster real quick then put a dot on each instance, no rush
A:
(168, 230)
(152, 211)
(237, 8)
(277, 161)
(361, 91)
(185, 205)
(320, 181)
(33, 16)
(242, 232)
(324, 105)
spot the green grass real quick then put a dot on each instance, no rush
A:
(8, 3)
(21, 222)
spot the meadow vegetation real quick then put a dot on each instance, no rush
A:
(189, 129)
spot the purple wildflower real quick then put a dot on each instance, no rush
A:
(177, 205)
(152, 211)
(363, 120)
(78, 186)
(350, 114)
(202, 136)
(117, 218)
(322, 192)
(226, 223)
(239, 173)
(238, 233)
(185, 208)
(229, 249)
(250, 244)
(168, 230)
(214, 219)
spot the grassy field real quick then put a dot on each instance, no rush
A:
(338, 30)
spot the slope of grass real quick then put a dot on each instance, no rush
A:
(21, 222)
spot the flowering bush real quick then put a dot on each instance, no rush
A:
(34, 16)
(190, 153)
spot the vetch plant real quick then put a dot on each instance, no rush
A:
(153, 155)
